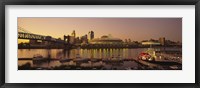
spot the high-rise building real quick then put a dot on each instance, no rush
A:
(78, 41)
(162, 40)
(91, 35)
(69, 39)
(73, 34)
(84, 39)
(73, 37)
(72, 40)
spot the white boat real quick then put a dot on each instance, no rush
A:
(160, 55)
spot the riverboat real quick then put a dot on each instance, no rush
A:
(161, 55)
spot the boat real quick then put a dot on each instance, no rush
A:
(95, 59)
(113, 59)
(80, 60)
(128, 59)
(160, 55)
(38, 57)
(105, 60)
(145, 56)
(117, 59)
(65, 60)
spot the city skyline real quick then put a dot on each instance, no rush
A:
(136, 29)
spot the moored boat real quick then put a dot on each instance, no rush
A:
(95, 59)
(65, 60)
(160, 55)
(38, 57)
(80, 60)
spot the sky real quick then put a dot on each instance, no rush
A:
(136, 29)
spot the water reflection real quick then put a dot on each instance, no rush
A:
(94, 59)
(84, 53)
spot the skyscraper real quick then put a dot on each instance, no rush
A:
(84, 39)
(73, 34)
(162, 40)
(91, 35)
(73, 37)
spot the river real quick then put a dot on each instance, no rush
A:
(56, 54)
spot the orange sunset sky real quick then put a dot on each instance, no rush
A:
(137, 29)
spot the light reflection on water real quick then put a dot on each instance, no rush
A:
(84, 53)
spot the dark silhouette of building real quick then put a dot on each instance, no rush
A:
(91, 35)
(73, 34)
(66, 39)
(84, 39)
(73, 37)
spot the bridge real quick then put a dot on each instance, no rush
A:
(45, 41)
(24, 34)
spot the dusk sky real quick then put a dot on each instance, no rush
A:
(137, 29)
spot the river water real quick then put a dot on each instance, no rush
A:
(56, 54)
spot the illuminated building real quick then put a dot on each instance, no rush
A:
(162, 40)
(69, 39)
(150, 43)
(106, 40)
